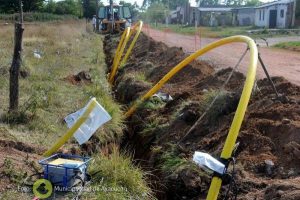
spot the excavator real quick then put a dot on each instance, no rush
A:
(114, 18)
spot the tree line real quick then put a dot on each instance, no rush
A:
(79, 8)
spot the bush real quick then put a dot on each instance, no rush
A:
(116, 172)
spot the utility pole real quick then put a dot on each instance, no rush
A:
(16, 63)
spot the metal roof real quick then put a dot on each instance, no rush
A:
(215, 9)
(274, 3)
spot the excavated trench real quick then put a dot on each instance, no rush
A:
(268, 157)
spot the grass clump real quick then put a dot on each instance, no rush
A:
(219, 105)
(15, 175)
(289, 45)
(154, 103)
(116, 172)
(171, 162)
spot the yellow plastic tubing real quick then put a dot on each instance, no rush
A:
(140, 26)
(242, 106)
(72, 130)
(118, 55)
(122, 44)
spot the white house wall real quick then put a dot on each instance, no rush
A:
(264, 22)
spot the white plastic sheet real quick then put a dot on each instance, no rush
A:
(96, 118)
(208, 162)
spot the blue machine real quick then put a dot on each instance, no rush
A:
(65, 170)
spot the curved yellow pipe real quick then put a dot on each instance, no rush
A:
(242, 106)
(118, 55)
(140, 25)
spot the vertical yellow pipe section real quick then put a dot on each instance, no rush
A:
(242, 106)
(140, 25)
(119, 55)
(238, 118)
(72, 130)
(119, 46)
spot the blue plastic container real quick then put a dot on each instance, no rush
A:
(63, 169)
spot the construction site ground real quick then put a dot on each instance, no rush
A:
(269, 137)
(279, 62)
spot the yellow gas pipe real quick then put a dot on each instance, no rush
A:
(242, 106)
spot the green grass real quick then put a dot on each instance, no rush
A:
(46, 97)
(171, 161)
(116, 171)
(217, 32)
(289, 45)
(211, 32)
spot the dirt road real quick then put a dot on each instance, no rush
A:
(278, 61)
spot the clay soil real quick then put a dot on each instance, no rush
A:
(270, 131)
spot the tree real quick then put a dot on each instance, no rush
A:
(70, 7)
(16, 64)
(12, 6)
(89, 8)
(134, 8)
(156, 12)
(252, 2)
(171, 4)
(208, 2)
(298, 9)
(50, 7)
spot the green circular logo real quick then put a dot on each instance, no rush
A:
(42, 188)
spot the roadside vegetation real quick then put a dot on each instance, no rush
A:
(36, 17)
(294, 46)
(219, 31)
(54, 54)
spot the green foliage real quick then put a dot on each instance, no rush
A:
(219, 105)
(297, 14)
(116, 171)
(289, 45)
(209, 2)
(134, 8)
(36, 16)
(170, 161)
(170, 4)
(153, 103)
(12, 6)
(156, 12)
(11, 172)
(252, 3)
(70, 7)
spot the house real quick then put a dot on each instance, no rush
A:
(182, 15)
(243, 16)
(277, 14)
(215, 15)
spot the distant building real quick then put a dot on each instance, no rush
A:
(244, 16)
(215, 15)
(277, 14)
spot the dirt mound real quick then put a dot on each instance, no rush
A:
(269, 141)
(17, 161)
(82, 77)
